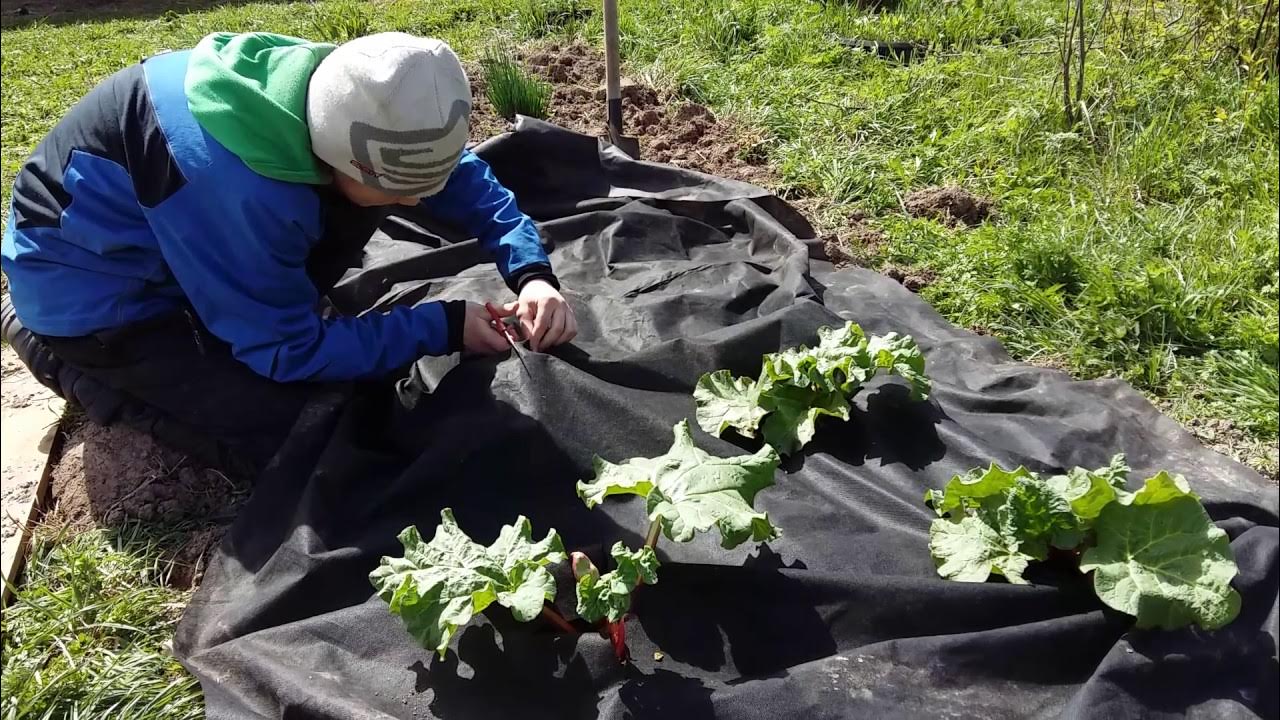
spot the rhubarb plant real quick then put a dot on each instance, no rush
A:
(1154, 553)
(686, 492)
(437, 586)
(799, 385)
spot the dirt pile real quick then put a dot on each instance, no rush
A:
(670, 130)
(851, 243)
(951, 205)
(109, 475)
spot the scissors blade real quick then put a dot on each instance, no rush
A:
(518, 352)
(509, 331)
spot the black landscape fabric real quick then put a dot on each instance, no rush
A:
(674, 274)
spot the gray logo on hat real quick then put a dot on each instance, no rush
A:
(393, 161)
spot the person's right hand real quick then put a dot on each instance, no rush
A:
(479, 336)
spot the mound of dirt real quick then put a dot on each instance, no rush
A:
(912, 278)
(951, 205)
(108, 475)
(853, 243)
(670, 130)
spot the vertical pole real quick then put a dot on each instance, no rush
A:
(613, 82)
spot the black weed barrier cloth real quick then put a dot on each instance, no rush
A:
(673, 274)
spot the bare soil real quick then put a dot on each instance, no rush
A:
(951, 205)
(108, 476)
(670, 130)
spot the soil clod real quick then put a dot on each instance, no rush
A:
(950, 204)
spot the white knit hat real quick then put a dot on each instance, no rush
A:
(392, 111)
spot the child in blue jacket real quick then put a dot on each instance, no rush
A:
(168, 243)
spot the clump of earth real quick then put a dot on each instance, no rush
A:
(669, 129)
(950, 204)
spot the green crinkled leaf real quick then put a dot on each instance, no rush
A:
(997, 520)
(1156, 554)
(797, 385)
(1035, 517)
(1087, 492)
(632, 477)
(1114, 473)
(900, 355)
(1159, 488)
(793, 415)
(609, 595)
(1164, 561)
(437, 586)
(970, 550)
(688, 491)
(725, 402)
(968, 490)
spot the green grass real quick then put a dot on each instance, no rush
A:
(511, 89)
(84, 636)
(1140, 243)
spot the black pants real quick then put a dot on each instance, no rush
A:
(171, 378)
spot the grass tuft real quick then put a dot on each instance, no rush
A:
(338, 22)
(725, 28)
(539, 18)
(85, 634)
(511, 90)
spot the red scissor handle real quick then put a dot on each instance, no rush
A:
(502, 326)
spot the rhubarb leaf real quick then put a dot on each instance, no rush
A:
(970, 550)
(972, 488)
(609, 595)
(725, 402)
(688, 491)
(797, 385)
(793, 415)
(437, 586)
(1164, 562)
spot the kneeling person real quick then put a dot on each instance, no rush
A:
(170, 240)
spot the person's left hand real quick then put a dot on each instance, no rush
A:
(545, 318)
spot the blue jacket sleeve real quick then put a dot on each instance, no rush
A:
(476, 202)
(244, 271)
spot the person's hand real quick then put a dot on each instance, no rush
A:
(545, 318)
(479, 336)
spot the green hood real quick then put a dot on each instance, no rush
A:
(249, 91)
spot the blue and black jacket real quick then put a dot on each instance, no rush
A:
(129, 210)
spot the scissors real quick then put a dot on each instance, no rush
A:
(510, 334)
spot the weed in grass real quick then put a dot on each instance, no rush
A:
(85, 634)
(511, 90)
(338, 22)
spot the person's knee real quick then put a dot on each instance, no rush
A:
(31, 350)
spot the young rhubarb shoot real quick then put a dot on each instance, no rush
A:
(607, 598)
(437, 586)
